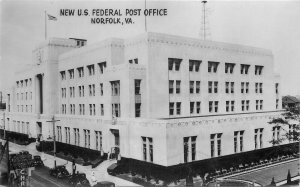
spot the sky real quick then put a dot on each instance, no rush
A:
(272, 25)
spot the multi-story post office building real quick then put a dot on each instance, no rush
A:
(159, 98)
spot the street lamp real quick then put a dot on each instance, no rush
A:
(54, 154)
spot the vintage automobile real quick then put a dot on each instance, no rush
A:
(105, 184)
(59, 172)
(112, 170)
(37, 161)
(78, 179)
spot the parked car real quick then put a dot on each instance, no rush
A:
(59, 172)
(79, 179)
(105, 184)
(37, 161)
(112, 170)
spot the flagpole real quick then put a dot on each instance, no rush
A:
(145, 18)
(45, 25)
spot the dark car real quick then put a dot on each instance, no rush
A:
(59, 172)
(78, 179)
(105, 184)
(37, 161)
(112, 170)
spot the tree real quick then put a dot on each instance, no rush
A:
(291, 120)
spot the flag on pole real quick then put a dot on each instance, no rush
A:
(51, 17)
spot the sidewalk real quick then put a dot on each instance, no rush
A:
(100, 171)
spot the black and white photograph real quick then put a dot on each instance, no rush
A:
(133, 93)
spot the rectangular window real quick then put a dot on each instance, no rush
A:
(276, 87)
(144, 148)
(198, 104)
(232, 87)
(171, 109)
(212, 145)
(219, 144)
(194, 65)
(91, 69)
(171, 88)
(242, 87)
(235, 141)
(80, 72)
(174, 62)
(116, 110)
(101, 89)
(210, 86)
(243, 105)
(192, 107)
(216, 87)
(102, 66)
(256, 102)
(178, 108)
(229, 67)
(98, 141)
(210, 104)
(192, 87)
(178, 86)
(227, 87)
(137, 86)
(147, 145)
(115, 88)
(137, 109)
(247, 105)
(212, 66)
(277, 101)
(71, 73)
(258, 70)
(63, 75)
(260, 87)
(227, 106)
(197, 86)
(193, 146)
(244, 68)
(256, 87)
(261, 104)
(241, 141)
(232, 106)
(186, 149)
(247, 87)
(102, 109)
(216, 106)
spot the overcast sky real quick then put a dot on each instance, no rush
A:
(273, 25)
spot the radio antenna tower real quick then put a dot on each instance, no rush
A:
(204, 23)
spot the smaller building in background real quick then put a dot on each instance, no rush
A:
(290, 102)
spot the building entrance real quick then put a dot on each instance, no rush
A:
(115, 149)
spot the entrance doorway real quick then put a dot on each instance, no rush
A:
(115, 149)
(39, 130)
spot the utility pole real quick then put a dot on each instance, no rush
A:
(4, 133)
(54, 154)
(204, 19)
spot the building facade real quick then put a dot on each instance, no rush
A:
(157, 98)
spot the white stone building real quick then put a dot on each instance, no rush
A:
(158, 98)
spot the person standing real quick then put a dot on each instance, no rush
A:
(73, 167)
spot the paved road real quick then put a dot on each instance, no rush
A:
(40, 178)
(264, 176)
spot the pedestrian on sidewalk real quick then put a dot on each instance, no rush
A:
(93, 179)
(73, 167)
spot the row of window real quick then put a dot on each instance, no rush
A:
(24, 108)
(189, 143)
(194, 65)
(92, 109)
(213, 106)
(25, 96)
(80, 71)
(76, 133)
(24, 83)
(213, 87)
(19, 126)
(115, 89)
